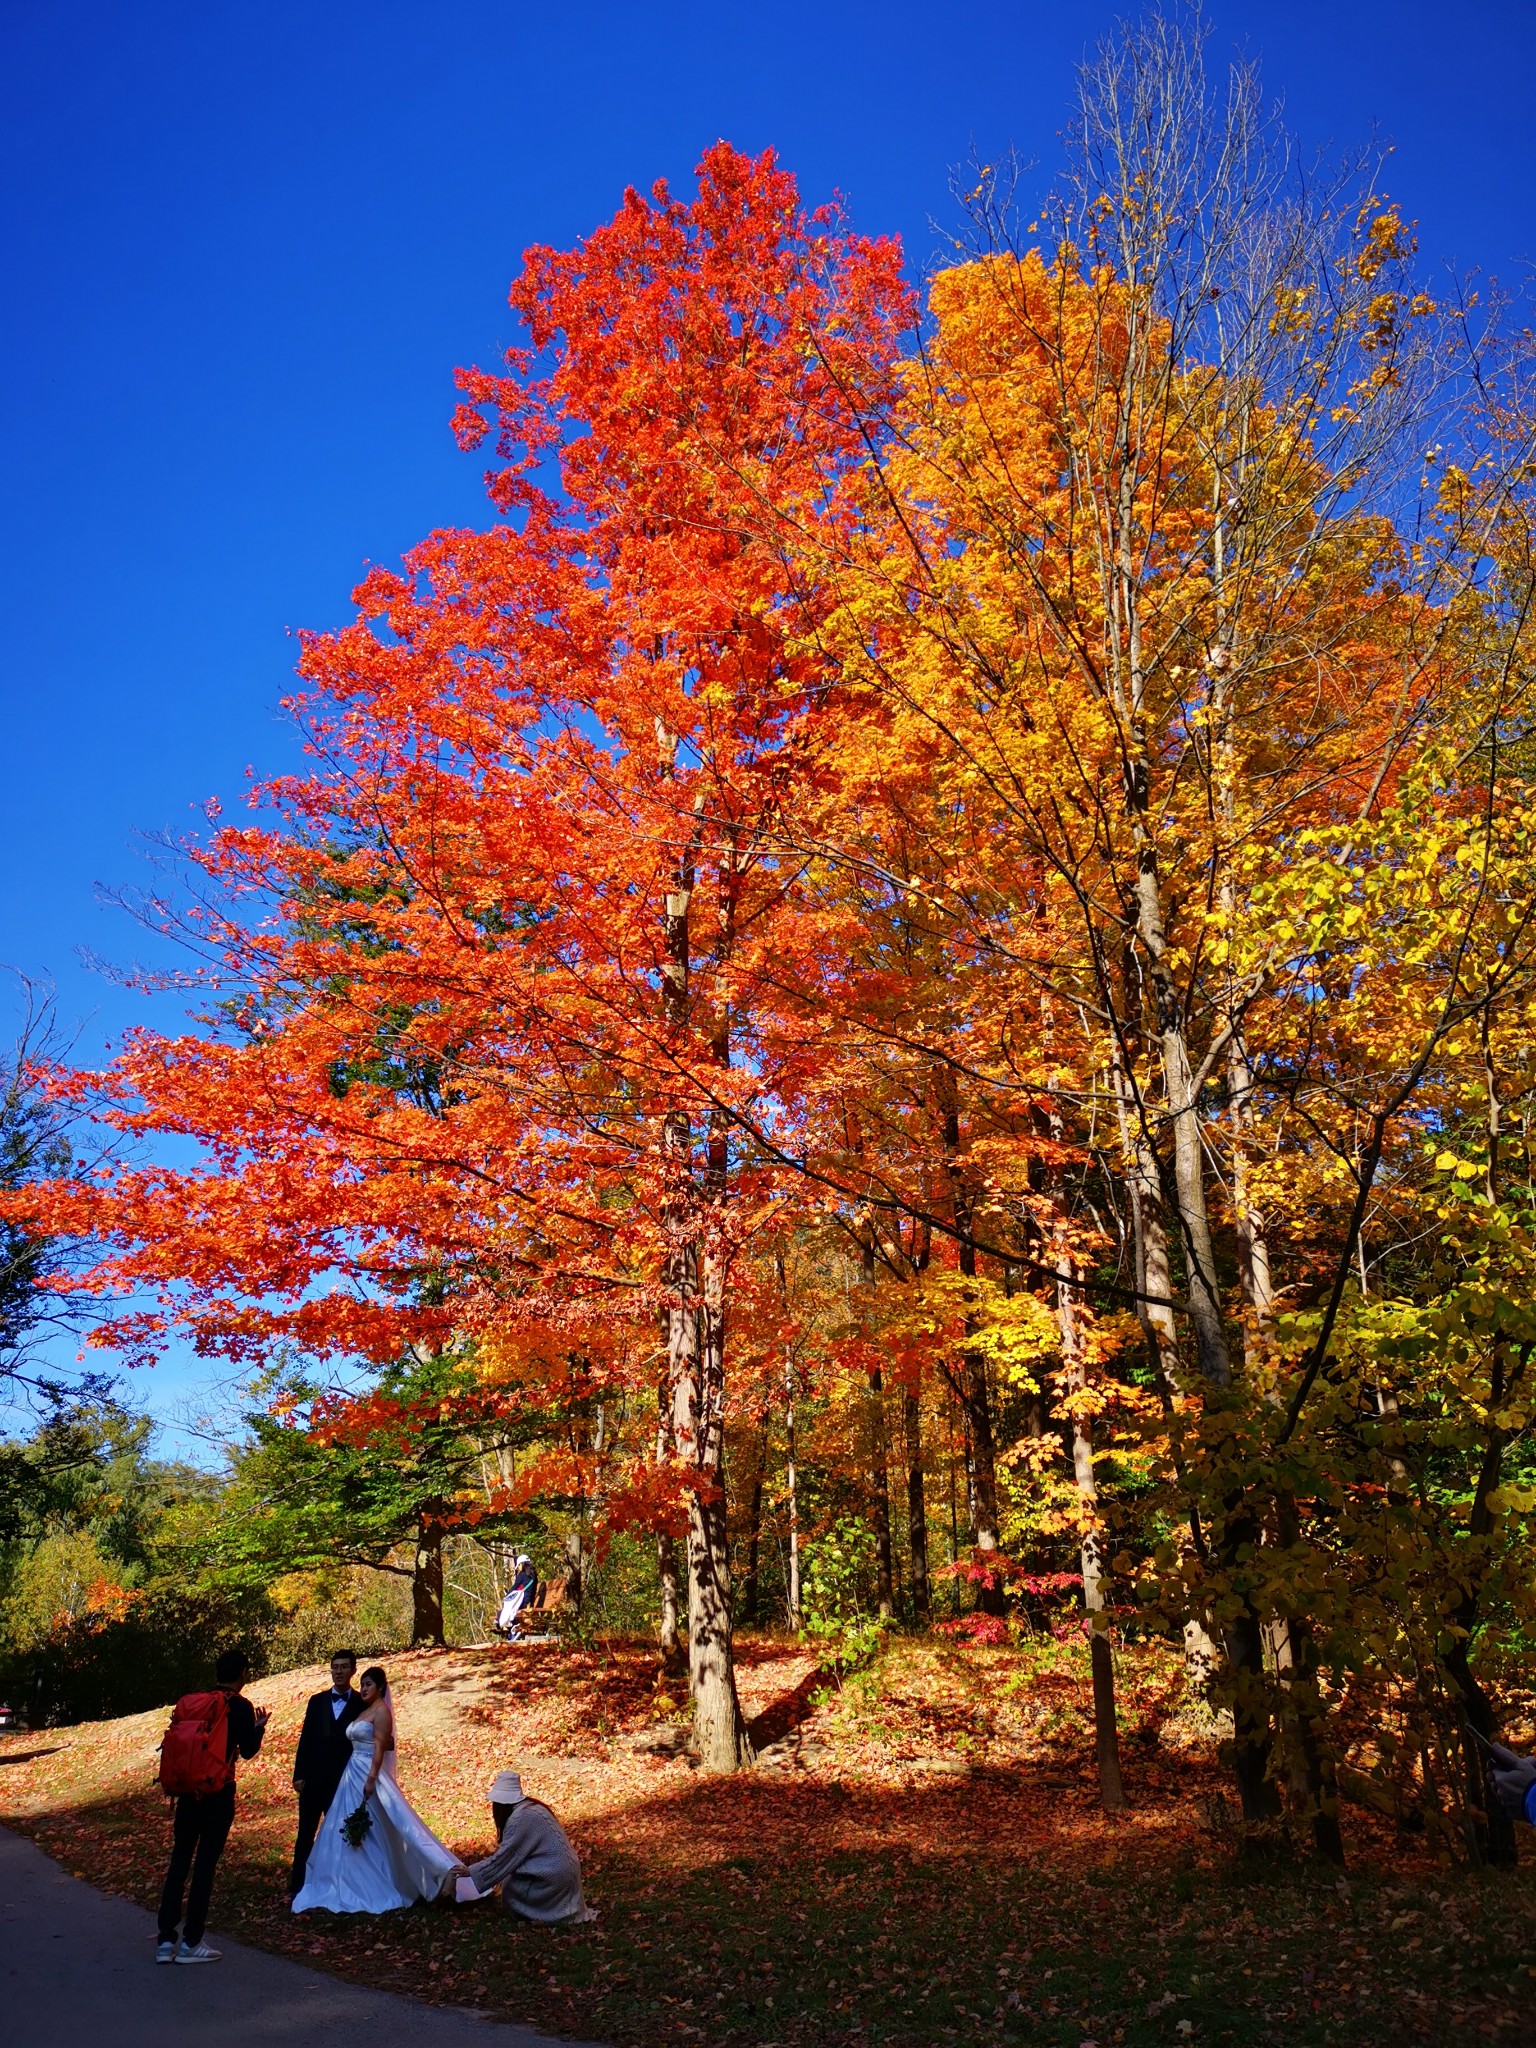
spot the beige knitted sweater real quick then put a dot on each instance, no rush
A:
(535, 1866)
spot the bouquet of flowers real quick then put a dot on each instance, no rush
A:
(357, 1824)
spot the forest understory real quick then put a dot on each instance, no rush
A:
(917, 1857)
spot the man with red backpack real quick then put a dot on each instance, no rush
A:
(197, 1769)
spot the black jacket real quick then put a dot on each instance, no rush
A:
(244, 1735)
(323, 1746)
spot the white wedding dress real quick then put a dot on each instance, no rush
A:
(399, 1861)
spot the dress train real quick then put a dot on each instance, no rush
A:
(399, 1860)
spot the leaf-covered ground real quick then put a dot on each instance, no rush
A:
(920, 1860)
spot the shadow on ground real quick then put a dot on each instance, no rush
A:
(867, 1899)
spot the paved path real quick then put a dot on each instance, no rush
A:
(78, 1965)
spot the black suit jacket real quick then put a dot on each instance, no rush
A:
(323, 1746)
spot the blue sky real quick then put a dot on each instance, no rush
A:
(246, 247)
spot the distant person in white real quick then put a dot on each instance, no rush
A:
(534, 1863)
(398, 1859)
(518, 1596)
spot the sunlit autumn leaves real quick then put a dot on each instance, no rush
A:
(977, 845)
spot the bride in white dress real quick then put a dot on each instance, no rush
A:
(399, 1860)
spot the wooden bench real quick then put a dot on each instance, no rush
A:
(549, 1597)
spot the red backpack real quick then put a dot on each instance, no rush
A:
(194, 1757)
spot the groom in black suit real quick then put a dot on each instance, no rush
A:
(322, 1757)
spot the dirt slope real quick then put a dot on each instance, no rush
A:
(919, 1860)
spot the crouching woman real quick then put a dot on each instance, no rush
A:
(533, 1863)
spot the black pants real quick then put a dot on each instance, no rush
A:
(312, 1807)
(198, 1834)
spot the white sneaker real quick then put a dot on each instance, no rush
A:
(201, 1954)
(165, 1951)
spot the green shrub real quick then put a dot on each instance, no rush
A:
(836, 1597)
(139, 1650)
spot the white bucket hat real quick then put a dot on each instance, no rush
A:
(506, 1790)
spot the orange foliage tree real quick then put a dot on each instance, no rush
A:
(479, 1064)
(1152, 599)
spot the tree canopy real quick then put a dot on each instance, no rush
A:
(946, 881)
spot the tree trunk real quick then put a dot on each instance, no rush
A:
(427, 1583)
(880, 1495)
(1314, 1776)
(1243, 1639)
(917, 1512)
(791, 1496)
(1106, 1735)
(879, 1467)
(720, 1731)
(791, 1508)
(1154, 1280)
(1490, 1831)
(977, 1406)
(954, 1514)
(1202, 1659)
(981, 1477)
(749, 1578)
(1244, 1634)
(666, 1569)
(1491, 1838)
(719, 1728)
(1138, 1164)
(575, 1565)
(1296, 1663)
(695, 1273)
(970, 1382)
(791, 1500)
(1126, 692)
(1074, 1386)
(666, 1542)
(1252, 1237)
(695, 1369)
